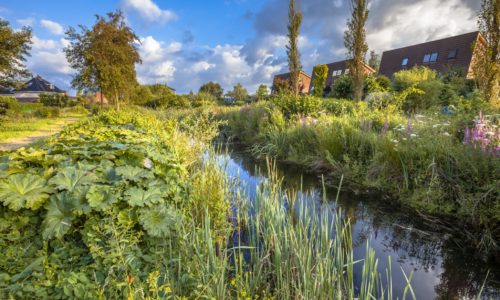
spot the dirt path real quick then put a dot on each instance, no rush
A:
(12, 144)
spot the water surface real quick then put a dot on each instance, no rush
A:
(441, 265)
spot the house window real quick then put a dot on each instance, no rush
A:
(51, 86)
(346, 71)
(404, 62)
(430, 57)
(337, 72)
(452, 53)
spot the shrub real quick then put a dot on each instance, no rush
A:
(342, 87)
(412, 77)
(202, 99)
(58, 100)
(338, 106)
(6, 103)
(303, 105)
(47, 112)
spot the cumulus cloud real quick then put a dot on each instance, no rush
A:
(53, 27)
(148, 11)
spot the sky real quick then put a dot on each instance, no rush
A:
(185, 43)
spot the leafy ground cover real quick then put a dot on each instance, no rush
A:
(127, 205)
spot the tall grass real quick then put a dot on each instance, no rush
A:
(282, 247)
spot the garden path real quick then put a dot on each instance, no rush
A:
(15, 143)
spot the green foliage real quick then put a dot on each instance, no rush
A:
(202, 99)
(57, 100)
(342, 87)
(26, 191)
(292, 49)
(320, 74)
(412, 77)
(104, 57)
(212, 88)
(355, 43)
(14, 48)
(47, 112)
(239, 94)
(262, 93)
(297, 105)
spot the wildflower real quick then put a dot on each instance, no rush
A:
(167, 290)
(233, 282)
(436, 125)
(243, 294)
(413, 135)
(446, 134)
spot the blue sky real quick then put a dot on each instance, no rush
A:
(186, 43)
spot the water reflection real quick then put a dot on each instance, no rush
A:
(442, 269)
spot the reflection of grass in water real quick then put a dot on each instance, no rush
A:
(289, 254)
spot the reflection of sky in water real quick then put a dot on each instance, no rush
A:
(390, 233)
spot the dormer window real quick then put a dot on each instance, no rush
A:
(430, 57)
(404, 62)
(337, 73)
(452, 53)
(51, 86)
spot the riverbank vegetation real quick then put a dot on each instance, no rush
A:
(127, 205)
(431, 143)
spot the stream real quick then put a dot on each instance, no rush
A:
(442, 267)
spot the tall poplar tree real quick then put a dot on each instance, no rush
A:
(355, 42)
(294, 65)
(320, 75)
(486, 66)
(14, 47)
(104, 57)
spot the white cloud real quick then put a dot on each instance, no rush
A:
(26, 22)
(53, 27)
(149, 11)
(416, 23)
(48, 60)
(200, 66)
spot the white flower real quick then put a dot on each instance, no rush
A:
(413, 135)
(435, 125)
(446, 134)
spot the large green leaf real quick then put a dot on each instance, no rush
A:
(100, 197)
(24, 191)
(134, 174)
(159, 221)
(70, 178)
(140, 197)
(59, 216)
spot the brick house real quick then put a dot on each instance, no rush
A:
(438, 55)
(337, 69)
(304, 82)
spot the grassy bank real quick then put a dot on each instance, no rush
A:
(123, 205)
(421, 160)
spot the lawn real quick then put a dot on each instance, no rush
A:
(19, 128)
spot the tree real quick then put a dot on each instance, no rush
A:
(486, 65)
(104, 57)
(320, 74)
(239, 93)
(374, 60)
(262, 92)
(294, 65)
(281, 86)
(212, 88)
(355, 42)
(14, 47)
